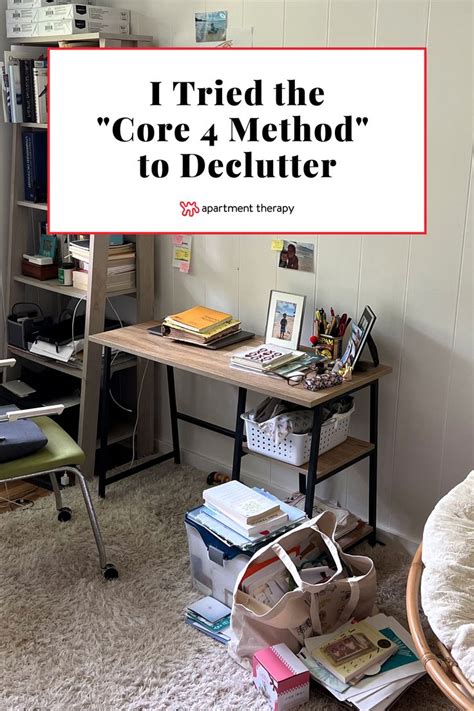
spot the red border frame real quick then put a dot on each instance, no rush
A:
(237, 49)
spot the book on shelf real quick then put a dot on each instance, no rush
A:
(24, 84)
(34, 145)
(198, 319)
(241, 504)
(40, 91)
(127, 280)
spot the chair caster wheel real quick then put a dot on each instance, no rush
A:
(110, 572)
(65, 514)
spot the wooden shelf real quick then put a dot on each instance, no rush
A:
(48, 40)
(64, 367)
(57, 288)
(43, 126)
(118, 432)
(341, 456)
(54, 365)
(358, 534)
(32, 205)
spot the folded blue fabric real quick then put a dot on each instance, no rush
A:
(19, 439)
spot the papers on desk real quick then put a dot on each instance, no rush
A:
(378, 688)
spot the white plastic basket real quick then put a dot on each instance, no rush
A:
(295, 447)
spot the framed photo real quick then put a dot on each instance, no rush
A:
(359, 336)
(284, 319)
(48, 245)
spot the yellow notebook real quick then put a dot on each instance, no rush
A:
(354, 651)
(199, 319)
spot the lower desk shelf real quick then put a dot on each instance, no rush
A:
(349, 452)
(350, 539)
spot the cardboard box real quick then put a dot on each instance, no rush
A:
(74, 27)
(22, 29)
(281, 677)
(28, 4)
(62, 12)
(108, 14)
(73, 11)
(22, 15)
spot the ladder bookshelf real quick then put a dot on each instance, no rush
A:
(52, 295)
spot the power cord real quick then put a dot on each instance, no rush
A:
(138, 414)
(118, 404)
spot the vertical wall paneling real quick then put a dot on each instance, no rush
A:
(434, 271)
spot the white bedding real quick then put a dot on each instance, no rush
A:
(447, 586)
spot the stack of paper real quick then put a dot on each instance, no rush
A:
(376, 687)
(200, 325)
(248, 511)
(346, 520)
(228, 531)
(210, 617)
(121, 265)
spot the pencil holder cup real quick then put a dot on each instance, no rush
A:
(330, 346)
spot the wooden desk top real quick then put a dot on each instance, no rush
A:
(216, 364)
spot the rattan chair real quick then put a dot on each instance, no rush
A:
(440, 666)
(61, 454)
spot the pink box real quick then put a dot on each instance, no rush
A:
(281, 677)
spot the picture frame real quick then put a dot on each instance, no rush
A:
(359, 337)
(284, 319)
(48, 245)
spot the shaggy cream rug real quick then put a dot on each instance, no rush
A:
(70, 640)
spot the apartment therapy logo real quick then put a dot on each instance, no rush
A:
(236, 130)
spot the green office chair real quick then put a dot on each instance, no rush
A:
(61, 454)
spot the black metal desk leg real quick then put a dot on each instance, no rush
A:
(374, 417)
(313, 460)
(104, 421)
(239, 433)
(173, 414)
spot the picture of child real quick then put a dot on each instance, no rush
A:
(297, 255)
(283, 320)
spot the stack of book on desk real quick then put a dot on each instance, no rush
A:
(244, 517)
(275, 361)
(200, 326)
(121, 265)
(366, 665)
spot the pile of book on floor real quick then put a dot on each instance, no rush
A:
(244, 517)
(200, 326)
(274, 360)
(211, 617)
(121, 264)
(365, 665)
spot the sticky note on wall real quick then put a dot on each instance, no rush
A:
(277, 245)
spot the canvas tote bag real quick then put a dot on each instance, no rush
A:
(311, 608)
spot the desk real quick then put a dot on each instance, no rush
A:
(216, 365)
